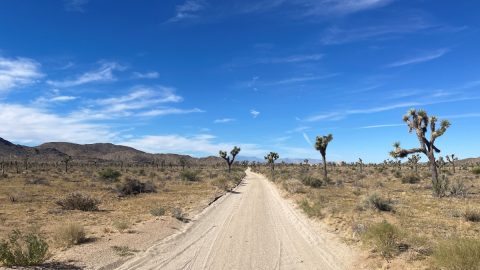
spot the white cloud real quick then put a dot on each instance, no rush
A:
(223, 120)
(170, 111)
(254, 113)
(17, 72)
(147, 75)
(198, 145)
(103, 74)
(420, 59)
(307, 139)
(382, 126)
(76, 5)
(188, 10)
(142, 101)
(30, 125)
(292, 59)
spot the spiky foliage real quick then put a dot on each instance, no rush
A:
(360, 164)
(452, 159)
(271, 158)
(413, 161)
(230, 159)
(419, 122)
(66, 160)
(321, 145)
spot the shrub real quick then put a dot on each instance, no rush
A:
(37, 181)
(191, 176)
(458, 254)
(221, 183)
(312, 210)
(109, 175)
(459, 189)
(134, 187)
(397, 174)
(472, 215)
(178, 214)
(410, 179)
(23, 250)
(293, 186)
(79, 201)
(121, 225)
(124, 251)
(377, 202)
(311, 181)
(159, 211)
(70, 234)
(476, 170)
(385, 237)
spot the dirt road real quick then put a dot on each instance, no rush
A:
(250, 228)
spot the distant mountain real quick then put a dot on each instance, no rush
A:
(100, 152)
(469, 161)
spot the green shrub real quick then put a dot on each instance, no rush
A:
(410, 179)
(476, 170)
(79, 201)
(70, 234)
(23, 250)
(385, 237)
(179, 214)
(312, 210)
(377, 202)
(121, 225)
(133, 187)
(158, 211)
(109, 175)
(458, 254)
(191, 176)
(472, 215)
(311, 181)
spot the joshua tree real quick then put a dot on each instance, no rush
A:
(305, 161)
(360, 163)
(413, 161)
(66, 160)
(421, 123)
(440, 163)
(230, 159)
(183, 162)
(270, 158)
(321, 145)
(451, 159)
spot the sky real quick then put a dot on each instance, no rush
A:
(199, 76)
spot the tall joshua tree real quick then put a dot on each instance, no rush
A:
(360, 164)
(321, 145)
(451, 159)
(271, 158)
(230, 159)
(419, 122)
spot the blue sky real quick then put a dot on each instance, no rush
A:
(198, 76)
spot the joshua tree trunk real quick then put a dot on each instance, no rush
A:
(229, 167)
(325, 174)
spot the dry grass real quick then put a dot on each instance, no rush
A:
(32, 205)
(423, 220)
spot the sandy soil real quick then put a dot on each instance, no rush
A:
(250, 228)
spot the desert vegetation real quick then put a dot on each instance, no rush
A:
(54, 206)
(405, 213)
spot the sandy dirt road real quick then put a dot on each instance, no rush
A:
(250, 228)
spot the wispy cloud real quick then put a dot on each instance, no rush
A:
(75, 5)
(17, 72)
(464, 115)
(254, 113)
(338, 115)
(419, 58)
(200, 144)
(291, 59)
(302, 79)
(337, 35)
(382, 126)
(307, 139)
(142, 101)
(103, 74)
(188, 10)
(223, 120)
(170, 111)
(146, 75)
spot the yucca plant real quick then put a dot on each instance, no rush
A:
(230, 159)
(321, 145)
